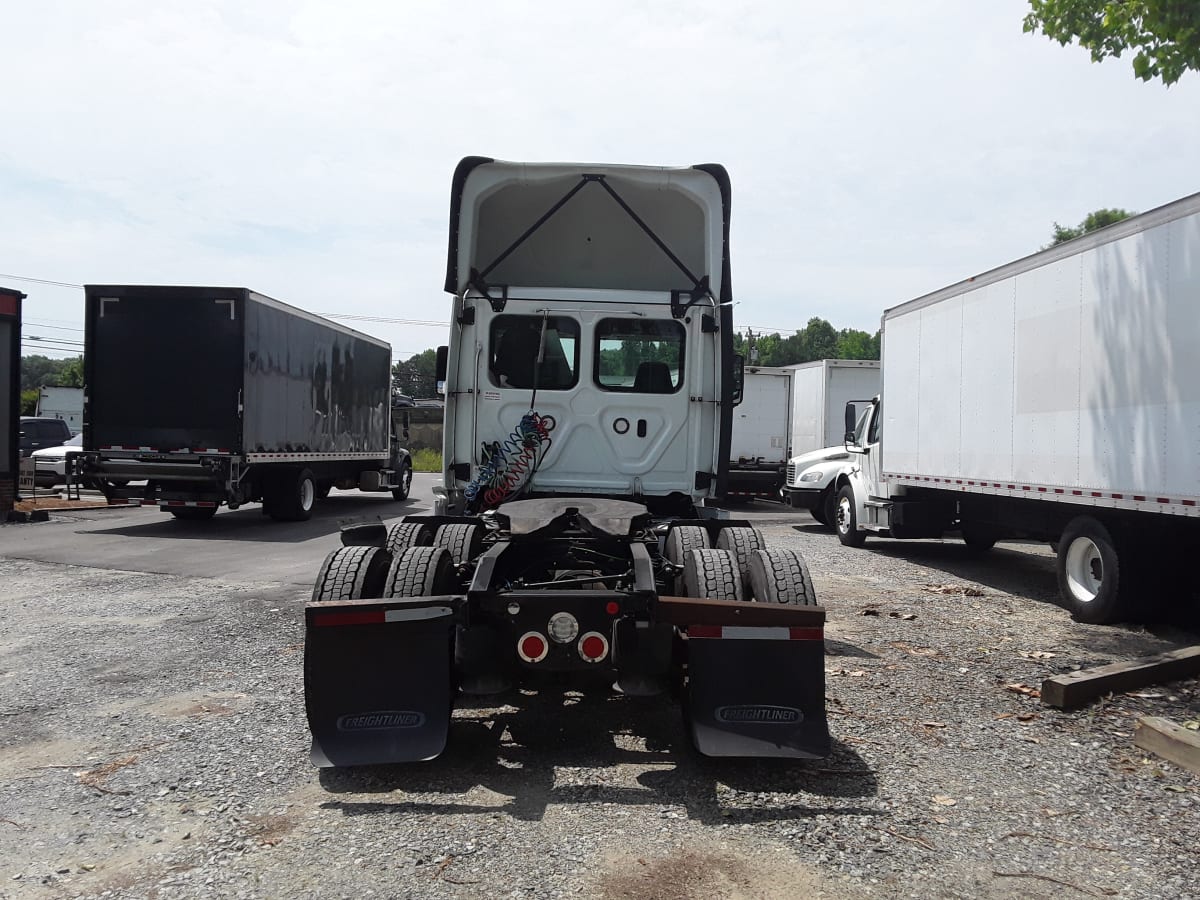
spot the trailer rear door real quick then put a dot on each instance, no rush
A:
(164, 368)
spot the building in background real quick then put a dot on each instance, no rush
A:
(10, 394)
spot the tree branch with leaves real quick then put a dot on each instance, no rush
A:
(1165, 33)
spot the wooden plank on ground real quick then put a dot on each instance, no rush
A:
(1170, 741)
(1077, 688)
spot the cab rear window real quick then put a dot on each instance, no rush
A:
(639, 356)
(524, 350)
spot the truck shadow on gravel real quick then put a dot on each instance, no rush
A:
(1029, 575)
(593, 749)
(250, 524)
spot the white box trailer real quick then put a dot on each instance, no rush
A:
(820, 392)
(64, 403)
(758, 447)
(1058, 398)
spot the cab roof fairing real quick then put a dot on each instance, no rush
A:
(577, 225)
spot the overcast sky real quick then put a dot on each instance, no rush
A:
(878, 151)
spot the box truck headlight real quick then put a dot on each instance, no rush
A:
(811, 476)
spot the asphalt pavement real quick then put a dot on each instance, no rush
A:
(243, 544)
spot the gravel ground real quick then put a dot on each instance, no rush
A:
(154, 745)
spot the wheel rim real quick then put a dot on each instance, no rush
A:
(843, 515)
(308, 493)
(406, 480)
(1084, 569)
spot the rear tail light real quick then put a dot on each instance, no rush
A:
(563, 627)
(593, 647)
(532, 647)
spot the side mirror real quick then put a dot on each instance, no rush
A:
(443, 356)
(738, 377)
(851, 419)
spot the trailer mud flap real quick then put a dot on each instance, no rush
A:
(378, 680)
(757, 691)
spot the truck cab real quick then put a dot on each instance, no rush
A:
(590, 351)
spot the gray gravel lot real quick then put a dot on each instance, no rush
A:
(154, 745)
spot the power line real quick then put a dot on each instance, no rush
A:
(41, 281)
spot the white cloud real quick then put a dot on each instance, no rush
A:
(878, 151)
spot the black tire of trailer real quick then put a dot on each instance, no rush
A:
(781, 576)
(465, 542)
(420, 572)
(979, 538)
(193, 513)
(681, 540)
(846, 521)
(739, 542)
(352, 573)
(406, 474)
(712, 574)
(403, 535)
(1093, 578)
(291, 496)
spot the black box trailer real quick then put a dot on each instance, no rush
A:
(214, 395)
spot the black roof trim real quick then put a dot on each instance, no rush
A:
(466, 166)
(721, 176)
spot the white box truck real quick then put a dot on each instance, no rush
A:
(820, 392)
(758, 447)
(1055, 398)
(64, 403)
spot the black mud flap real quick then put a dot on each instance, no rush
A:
(377, 679)
(757, 691)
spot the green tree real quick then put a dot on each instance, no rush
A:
(854, 344)
(416, 376)
(1165, 33)
(29, 401)
(71, 375)
(818, 341)
(1093, 221)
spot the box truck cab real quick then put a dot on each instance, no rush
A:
(1053, 398)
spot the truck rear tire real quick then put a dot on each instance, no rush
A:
(352, 573)
(846, 520)
(403, 535)
(739, 542)
(781, 576)
(712, 574)
(463, 541)
(402, 491)
(420, 572)
(193, 513)
(1090, 571)
(682, 540)
(292, 498)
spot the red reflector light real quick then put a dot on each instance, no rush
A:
(532, 647)
(612, 608)
(349, 618)
(593, 647)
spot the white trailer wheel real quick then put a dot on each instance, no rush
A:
(781, 576)
(712, 574)
(1090, 573)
